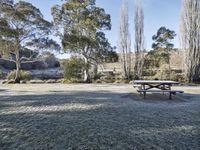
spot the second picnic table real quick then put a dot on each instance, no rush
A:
(158, 86)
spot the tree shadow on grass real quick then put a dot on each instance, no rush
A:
(95, 120)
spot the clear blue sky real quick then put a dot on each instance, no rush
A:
(157, 13)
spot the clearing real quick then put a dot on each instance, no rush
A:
(97, 116)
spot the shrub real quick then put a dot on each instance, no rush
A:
(24, 75)
(163, 73)
(73, 68)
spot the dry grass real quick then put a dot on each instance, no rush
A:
(56, 116)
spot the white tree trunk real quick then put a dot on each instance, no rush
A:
(18, 68)
(86, 71)
(190, 38)
(124, 41)
(139, 40)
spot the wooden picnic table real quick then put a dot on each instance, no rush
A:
(158, 86)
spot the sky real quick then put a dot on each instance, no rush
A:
(157, 13)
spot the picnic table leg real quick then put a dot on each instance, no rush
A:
(170, 95)
(144, 94)
(163, 88)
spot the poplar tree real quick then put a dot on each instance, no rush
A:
(139, 40)
(190, 38)
(125, 40)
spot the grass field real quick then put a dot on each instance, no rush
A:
(104, 116)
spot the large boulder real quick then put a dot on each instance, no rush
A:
(7, 64)
(54, 73)
(38, 64)
(30, 65)
(49, 59)
(26, 66)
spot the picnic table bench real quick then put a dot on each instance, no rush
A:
(156, 86)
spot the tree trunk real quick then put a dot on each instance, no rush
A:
(18, 67)
(86, 71)
(190, 38)
(125, 41)
(139, 40)
(95, 70)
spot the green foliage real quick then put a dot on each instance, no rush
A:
(23, 75)
(162, 49)
(162, 38)
(22, 26)
(81, 21)
(73, 68)
(83, 24)
(111, 56)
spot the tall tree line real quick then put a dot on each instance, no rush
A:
(139, 39)
(190, 38)
(125, 40)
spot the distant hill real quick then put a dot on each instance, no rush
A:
(177, 58)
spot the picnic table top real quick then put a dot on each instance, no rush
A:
(155, 82)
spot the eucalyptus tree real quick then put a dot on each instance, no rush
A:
(80, 25)
(139, 39)
(190, 38)
(124, 40)
(22, 26)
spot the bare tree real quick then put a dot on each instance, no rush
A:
(125, 41)
(190, 38)
(139, 39)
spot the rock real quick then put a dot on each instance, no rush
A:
(54, 73)
(11, 81)
(51, 81)
(131, 82)
(22, 81)
(26, 66)
(4, 81)
(59, 81)
(38, 64)
(51, 61)
(36, 81)
(7, 64)
(98, 81)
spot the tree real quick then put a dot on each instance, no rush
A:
(190, 38)
(139, 39)
(125, 41)
(162, 44)
(82, 24)
(22, 27)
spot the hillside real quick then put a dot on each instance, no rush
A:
(176, 63)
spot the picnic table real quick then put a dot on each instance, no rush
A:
(156, 86)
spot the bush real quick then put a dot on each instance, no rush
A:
(73, 68)
(24, 75)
